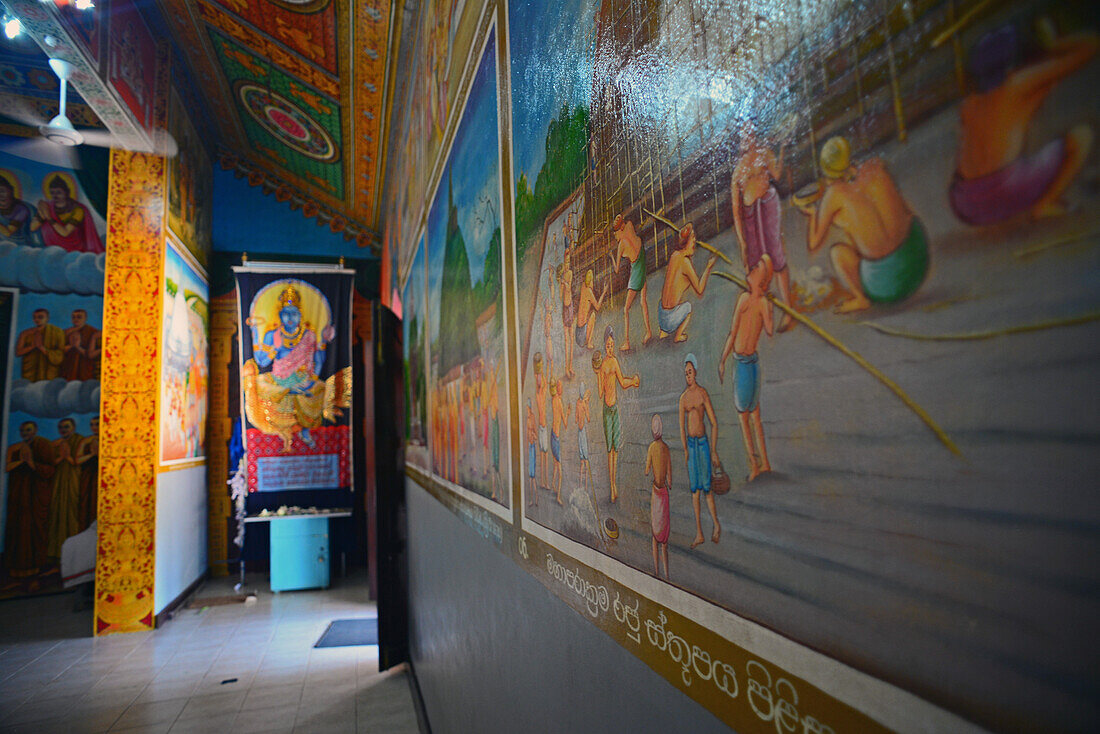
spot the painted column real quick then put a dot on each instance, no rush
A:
(130, 383)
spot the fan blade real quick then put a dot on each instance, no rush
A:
(18, 109)
(43, 151)
(165, 144)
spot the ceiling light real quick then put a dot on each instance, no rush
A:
(84, 4)
(12, 26)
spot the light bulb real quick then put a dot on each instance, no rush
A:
(12, 27)
(84, 4)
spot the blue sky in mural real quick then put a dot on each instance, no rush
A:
(473, 169)
(245, 219)
(539, 52)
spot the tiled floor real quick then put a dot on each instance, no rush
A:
(54, 677)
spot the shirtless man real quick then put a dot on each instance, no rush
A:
(756, 211)
(994, 179)
(532, 435)
(544, 433)
(630, 247)
(587, 308)
(609, 375)
(885, 256)
(584, 416)
(673, 314)
(695, 409)
(560, 419)
(658, 460)
(565, 293)
(751, 315)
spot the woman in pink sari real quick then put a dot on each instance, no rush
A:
(64, 221)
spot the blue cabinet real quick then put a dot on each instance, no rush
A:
(299, 553)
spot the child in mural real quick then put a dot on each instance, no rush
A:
(630, 247)
(65, 497)
(65, 222)
(30, 467)
(531, 433)
(695, 409)
(587, 308)
(994, 180)
(756, 211)
(674, 313)
(544, 432)
(658, 462)
(583, 418)
(885, 259)
(41, 347)
(15, 214)
(751, 315)
(610, 375)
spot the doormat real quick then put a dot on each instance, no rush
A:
(217, 601)
(350, 632)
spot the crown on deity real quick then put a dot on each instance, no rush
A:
(290, 297)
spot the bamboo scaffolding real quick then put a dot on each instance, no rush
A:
(840, 346)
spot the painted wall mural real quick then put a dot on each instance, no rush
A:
(52, 269)
(185, 363)
(467, 354)
(415, 339)
(432, 48)
(805, 322)
(190, 185)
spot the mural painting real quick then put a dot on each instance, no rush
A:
(415, 327)
(190, 185)
(788, 317)
(130, 44)
(429, 42)
(52, 255)
(467, 371)
(185, 365)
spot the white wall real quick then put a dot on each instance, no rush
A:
(181, 533)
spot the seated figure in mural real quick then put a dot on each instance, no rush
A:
(290, 392)
(30, 467)
(63, 221)
(673, 312)
(81, 360)
(885, 256)
(994, 179)
(15, 214)
(41, 347)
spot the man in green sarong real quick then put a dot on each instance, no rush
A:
(884, 258)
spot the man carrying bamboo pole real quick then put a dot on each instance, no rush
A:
(630, 247)
(756, 211)
(674, 313)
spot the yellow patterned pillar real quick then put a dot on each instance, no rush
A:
(130, 383)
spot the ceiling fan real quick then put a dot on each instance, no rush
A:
(59, 136)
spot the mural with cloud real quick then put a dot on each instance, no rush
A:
(52, 258)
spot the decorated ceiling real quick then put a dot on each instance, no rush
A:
(295, 89)
(288, 93)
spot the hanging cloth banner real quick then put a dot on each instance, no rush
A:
(295, 351)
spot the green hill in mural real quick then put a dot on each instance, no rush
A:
(458, 312)
(562, 171)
